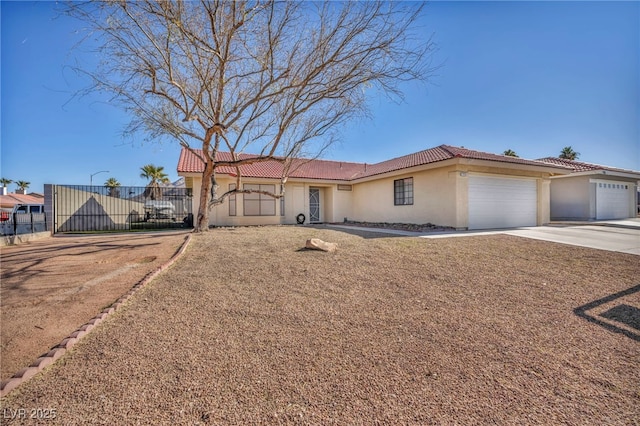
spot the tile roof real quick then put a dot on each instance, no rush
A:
(580, 166)
(9, 200)
(441, 153)
(340, 170)
(300, 168)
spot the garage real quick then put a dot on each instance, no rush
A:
(613, 200)
(501, 202)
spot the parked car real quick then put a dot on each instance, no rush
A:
(159, 210)
(21, 209)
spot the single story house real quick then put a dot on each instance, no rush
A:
(593, 192)
(445, 185)
(7, 201)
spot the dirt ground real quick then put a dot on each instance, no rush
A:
(248, 327)
(49, 288)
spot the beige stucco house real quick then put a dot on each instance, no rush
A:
(593, 192)
(445, 185)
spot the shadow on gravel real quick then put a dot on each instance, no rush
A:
(621, 313)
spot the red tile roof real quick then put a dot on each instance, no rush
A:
(441, 153)
(340, 170)
(580, 166)
(10, 200)
(300, 168)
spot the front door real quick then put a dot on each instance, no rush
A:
(314, 205)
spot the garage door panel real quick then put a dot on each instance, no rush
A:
(612, 200)
(502, 202)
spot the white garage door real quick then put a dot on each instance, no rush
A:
(612, 200)
(502, 202)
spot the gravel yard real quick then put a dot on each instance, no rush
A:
(250, 328)
(51, 287)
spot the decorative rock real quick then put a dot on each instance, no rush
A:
(67, 343)
(42, 362)
(10, 384)
(56, 353)
(26, 373)
(78, 334)
(318, 244)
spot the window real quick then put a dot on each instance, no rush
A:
(232, 200)
(259, 204)
(403, 192)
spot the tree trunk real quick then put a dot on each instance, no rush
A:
(202, 223)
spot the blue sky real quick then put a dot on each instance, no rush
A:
(528, 76)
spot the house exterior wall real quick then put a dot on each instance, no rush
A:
(440, 196)
(434, 199)
(335, 204)
(574, 197)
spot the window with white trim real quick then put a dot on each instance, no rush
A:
(256, 204)
(403, 192)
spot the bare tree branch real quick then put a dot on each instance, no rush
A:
(273, 78)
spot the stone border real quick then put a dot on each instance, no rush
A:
(57, 351)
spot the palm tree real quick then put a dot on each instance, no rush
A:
(510, 153)
(569, 154)
(156, 175)
(113, 184)
(22, 185)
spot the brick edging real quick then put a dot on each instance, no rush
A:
(57, 351)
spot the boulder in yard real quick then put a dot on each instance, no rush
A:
(318, 244)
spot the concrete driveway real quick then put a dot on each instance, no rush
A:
(621, 235)
(624, 240)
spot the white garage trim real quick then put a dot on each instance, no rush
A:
(502, 202)
(612, 199)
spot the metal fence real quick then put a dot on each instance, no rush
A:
(81, 208)
(22, 223)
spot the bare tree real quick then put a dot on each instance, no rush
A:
(276, 79)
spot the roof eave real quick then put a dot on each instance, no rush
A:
(543, 168)
(602, 172)
(406, 170)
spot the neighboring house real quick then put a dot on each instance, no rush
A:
(9, 200)
(445, 185)
(593, 192)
